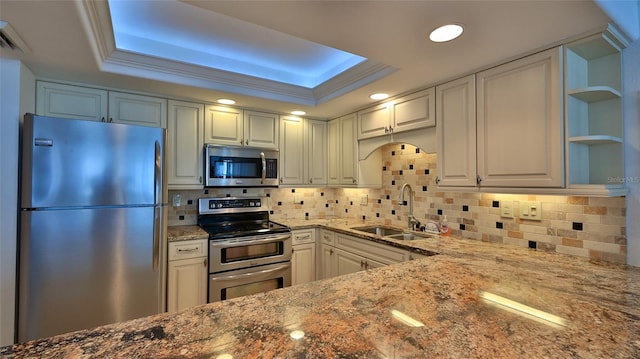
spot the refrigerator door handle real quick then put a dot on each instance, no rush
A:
(157, 174)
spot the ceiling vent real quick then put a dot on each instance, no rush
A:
(9, 38)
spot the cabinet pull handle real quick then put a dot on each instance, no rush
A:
(311, 180)
(331, 251)
(205, 261)
(110, 119)
(354, 181)
(293, 250)
(478, 179)
(200, 179)
(241, 141)
(188, 250)
(390, 129)
(437, 179)
(363, 265)
(246, 142)
(102, 119)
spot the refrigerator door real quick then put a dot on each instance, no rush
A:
(72, 163)
(80, 268)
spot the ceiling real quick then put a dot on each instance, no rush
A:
(73, 41)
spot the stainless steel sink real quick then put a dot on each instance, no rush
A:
(409, 236)
(379, 230)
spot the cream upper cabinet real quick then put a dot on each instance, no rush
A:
(292, 159)
(231, 126)
(303, 151)
(138, 110)
(261, 129)
(68, 101)
(520, 123)
(407, 113)
(342, 167)
(456, 117)
(185, 145)
(316, 150)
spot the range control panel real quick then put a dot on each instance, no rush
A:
(232, 204)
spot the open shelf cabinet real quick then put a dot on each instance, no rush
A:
(593, 105)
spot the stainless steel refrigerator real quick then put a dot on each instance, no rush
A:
(92, 223)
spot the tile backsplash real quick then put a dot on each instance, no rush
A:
(592, 227)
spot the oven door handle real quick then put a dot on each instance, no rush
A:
(252, 274)
(264, 167)
(249, 242)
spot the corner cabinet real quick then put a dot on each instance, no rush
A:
(187, 274)
(185, 145)
(595, 158)
(235, 127)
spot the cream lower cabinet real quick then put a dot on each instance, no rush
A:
(303, 256)
(343, 254)
(187, 274)
(184, 145)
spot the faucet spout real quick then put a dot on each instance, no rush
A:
(413, 222)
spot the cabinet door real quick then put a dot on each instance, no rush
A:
(316, 152)
(223, 126)
(414, 111)
(456, 116)
(185, 144)
(137, 109)
(261, 129)
(374, 122)
(303, 263)
(348, 151)
(347, 262)
(327, 261)
(520, 123)
(66, 101)
(186, 283)
(292, 151)
(333, 151)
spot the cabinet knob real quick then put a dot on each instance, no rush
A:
(110, 119)
(331, 251)
(102, 119)
(200, 179)
(205, 262)
(478, 179)
(246, 142)
(241, 141)
(390, 129)
(437, 179)
(311, 180)
(354, 181)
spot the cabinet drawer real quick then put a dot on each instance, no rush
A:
(327, 237)
(379, 252)
(187, 249)
(303, 236)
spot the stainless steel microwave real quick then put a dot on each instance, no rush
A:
(230, 166)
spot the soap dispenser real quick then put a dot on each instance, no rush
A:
(444, 226)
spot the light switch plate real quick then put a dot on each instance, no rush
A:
(364, 200)
(531, 210)
(506, 209)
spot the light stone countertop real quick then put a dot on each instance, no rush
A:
(596, 306)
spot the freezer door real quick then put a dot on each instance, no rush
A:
(74, 163)
(83, 268)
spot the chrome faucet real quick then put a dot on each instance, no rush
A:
(413, 222)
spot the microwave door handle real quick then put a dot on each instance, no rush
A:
(250, 242)
(264, 167)
(252, 274)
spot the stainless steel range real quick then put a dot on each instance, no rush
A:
(248, 253)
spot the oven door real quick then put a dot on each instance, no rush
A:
(251, 251)
(238, 283)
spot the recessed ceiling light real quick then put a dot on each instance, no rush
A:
(378, 96)
(226, 101)
(298, 113)
(446, 33)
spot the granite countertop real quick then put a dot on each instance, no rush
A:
(595, 309)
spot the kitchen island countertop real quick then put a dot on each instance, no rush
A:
(576, 309)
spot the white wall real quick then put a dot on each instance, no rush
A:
(17, 86)
(631, 59)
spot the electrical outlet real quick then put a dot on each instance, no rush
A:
(506, 209)
(531, 210)
(177, 200)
